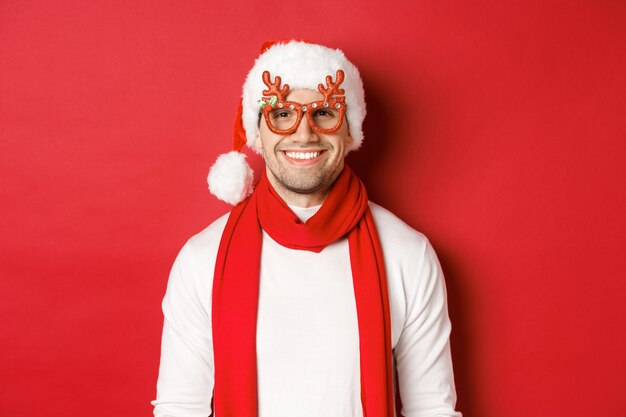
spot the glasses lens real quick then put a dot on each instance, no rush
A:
(283, 119)
(326, 117)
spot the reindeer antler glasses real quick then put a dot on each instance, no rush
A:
(283, 117)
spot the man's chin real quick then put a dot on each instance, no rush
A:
(303, 180)
(305, 191)
(315, 182)
(300, 187)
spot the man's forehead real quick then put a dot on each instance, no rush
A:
(304, 93)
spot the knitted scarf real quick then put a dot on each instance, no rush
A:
(236, 290)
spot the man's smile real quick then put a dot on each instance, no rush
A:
(303, 156)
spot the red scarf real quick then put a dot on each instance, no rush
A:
(236, 290)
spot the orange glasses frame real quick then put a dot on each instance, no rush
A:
(275, 97)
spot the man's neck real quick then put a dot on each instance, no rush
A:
(304, 214)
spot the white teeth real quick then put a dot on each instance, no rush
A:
(302, 155)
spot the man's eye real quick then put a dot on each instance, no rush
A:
(323, 113)
(280, 114)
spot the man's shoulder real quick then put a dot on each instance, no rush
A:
(388, 222)
(391, 227)
(207, 240)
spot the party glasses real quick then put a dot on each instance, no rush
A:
(283, 117)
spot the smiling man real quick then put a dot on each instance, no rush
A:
(306, 299)
(301, 161)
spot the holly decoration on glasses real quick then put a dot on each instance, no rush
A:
(271, 102)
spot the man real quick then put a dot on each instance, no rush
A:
(307, 299)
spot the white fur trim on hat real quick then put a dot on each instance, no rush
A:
(230, 178)
(304, 65)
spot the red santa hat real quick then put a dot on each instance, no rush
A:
(301, 65)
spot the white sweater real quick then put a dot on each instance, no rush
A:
(307, 329)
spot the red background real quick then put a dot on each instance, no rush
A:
(496, 128)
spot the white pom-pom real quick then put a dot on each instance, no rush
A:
(230, 178)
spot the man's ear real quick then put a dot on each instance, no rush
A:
(349, 138)
(257, 141)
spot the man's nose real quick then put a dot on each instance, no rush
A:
(305, 133)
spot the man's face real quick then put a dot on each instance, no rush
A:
(305, 162)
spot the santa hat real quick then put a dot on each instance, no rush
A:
(301, 65)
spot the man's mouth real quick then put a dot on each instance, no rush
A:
(303, 157)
